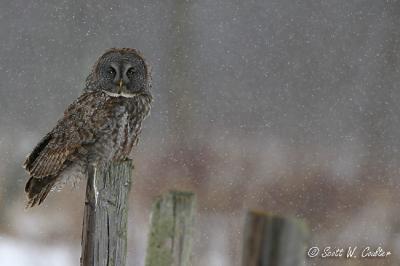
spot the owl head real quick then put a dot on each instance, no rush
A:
(120, 73)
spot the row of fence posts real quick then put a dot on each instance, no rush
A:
(268, 240)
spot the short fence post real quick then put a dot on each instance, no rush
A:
(170, 237)
(274, 241)
(104, 233)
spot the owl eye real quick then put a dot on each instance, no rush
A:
(130, 71)
(111, 71)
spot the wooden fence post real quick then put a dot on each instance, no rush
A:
(104, 233)
(170, 237)
(274, 241)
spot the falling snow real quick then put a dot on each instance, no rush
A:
(289, 107)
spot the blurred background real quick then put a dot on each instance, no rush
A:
(290, 107)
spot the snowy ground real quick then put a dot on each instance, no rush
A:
(17, 252)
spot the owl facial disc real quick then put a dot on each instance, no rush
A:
(120, 73)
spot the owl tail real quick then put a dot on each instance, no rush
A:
(37, 189)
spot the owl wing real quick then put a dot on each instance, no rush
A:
(67, 140)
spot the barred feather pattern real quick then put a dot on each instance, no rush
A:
(95, 129)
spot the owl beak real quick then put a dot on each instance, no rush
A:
(120, 83)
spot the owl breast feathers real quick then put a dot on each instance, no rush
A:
(102, 125)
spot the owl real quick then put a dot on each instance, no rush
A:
(99, 127)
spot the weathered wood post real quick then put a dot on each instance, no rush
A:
(104, 233)
(170, 237)
(271, 240)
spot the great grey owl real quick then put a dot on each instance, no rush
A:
(102, 125)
